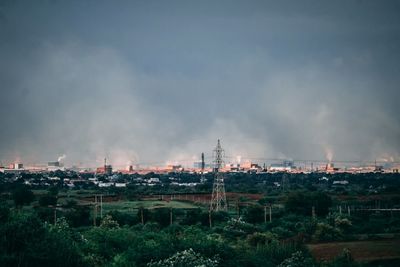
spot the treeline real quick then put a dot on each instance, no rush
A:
(63, 235)
(27, 241)
(263, 183)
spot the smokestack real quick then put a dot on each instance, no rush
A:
(202, 162)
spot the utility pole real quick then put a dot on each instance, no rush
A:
(95, 210)
(265, 214)
(209, 218)
(285, 182)
(270, 213)
(101, 206)
(218, 198)
(203, 164)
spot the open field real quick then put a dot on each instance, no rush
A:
(130, 206)
(364, 251)
(125, 206)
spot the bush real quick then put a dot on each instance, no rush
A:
(297, 260)
(302, 203)
(22, 196)
(185, 258)
(254, 214)
(47, 200)
(124, 218)
(258, 239)
(326, 232)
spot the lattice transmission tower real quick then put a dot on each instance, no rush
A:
(218, 198)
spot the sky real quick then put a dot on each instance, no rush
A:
(156, 82)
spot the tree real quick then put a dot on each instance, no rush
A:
(326, 232)
(322, 202)
(296, 202)
(143, 215)
(27, 242)
(47, 200)
(185, 258)
(254, 214)
(108, 222)
(302, 203)
(258, 239)
(22, 196)
(162, 216)
(78, 216)
(297, 260)
(4, 212)
(192, 217)
(124, 218)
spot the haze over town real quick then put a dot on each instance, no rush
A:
(161, 81)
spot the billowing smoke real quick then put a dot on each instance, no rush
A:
(270, 80)
(328, 154)
(60, 158)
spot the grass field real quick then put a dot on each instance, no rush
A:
(364, 251)
(126, 206)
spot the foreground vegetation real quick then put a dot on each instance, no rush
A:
(59, 227)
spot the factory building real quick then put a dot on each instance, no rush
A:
(174, 168)
(330, 168)
(285, 166)
(105, 169)
(13, 168)
(55, 166)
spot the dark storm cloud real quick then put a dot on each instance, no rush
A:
(160, 81)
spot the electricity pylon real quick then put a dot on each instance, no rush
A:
(218, 198)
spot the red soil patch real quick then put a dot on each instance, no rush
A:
(360, 250)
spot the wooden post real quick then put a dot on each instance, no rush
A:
(265, 214)
(94, 215)
(340, 209)
(95, 210)
(170, 216)
(270, 213)
(348, 210)
(209, 218)
(141, 215)
(313, 212)
(101, 206)
(55, 216)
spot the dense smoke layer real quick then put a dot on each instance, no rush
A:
(159, 82)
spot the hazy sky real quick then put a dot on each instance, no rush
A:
(161, 81)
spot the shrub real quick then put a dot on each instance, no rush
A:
(185, 258)
(326, 232)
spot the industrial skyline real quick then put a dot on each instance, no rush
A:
(218, 163)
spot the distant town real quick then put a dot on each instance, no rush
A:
(289, 166)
